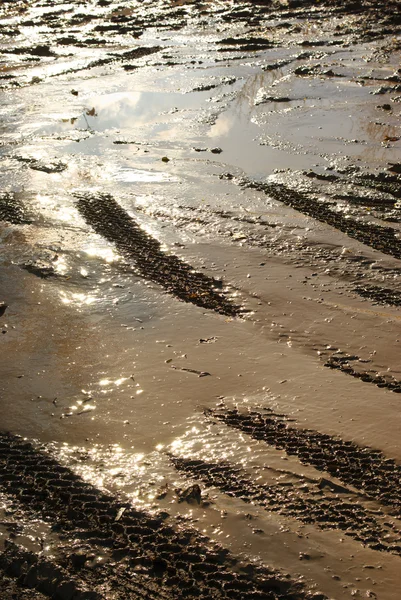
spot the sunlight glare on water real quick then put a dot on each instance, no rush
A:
(79, 299)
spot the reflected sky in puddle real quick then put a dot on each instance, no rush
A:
(127, 110)
(239, 139)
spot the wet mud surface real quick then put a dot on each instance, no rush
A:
(164, 561)
(200, 244)
(380, 238)
(11, 210)
(309, 504)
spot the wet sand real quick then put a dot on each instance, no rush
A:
(200, 260)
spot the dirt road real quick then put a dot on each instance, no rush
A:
(200, 300)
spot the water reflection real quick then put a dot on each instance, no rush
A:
(114, 110)
(128, 110)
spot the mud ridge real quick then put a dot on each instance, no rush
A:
(182, 562)
(366, 469)
(306, 503)
(383, 239)
(111, 221)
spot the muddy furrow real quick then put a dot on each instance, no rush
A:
(307, 503)
(366, 469)
(384, 239)
(182, 563)
(111, 221)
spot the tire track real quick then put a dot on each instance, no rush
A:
(10, 588)
(111, 221)
(305, 503)
(379, 294)
(181, 563)
(384, 239)
(69, 577)
(342, 363)
(365, 469)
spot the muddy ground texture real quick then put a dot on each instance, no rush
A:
(200, 233)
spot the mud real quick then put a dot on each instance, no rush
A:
(379, 295)
(309, 503)
(177, 561)
(12, 209)
(348, 364)
(200, 204)
(365, 469)
(380, 238)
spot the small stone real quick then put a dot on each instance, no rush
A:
(193, 493)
